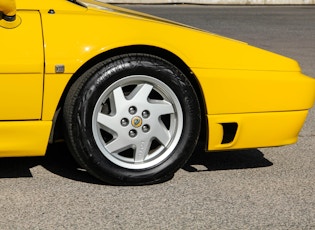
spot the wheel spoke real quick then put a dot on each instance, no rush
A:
(119, 99)
(141, 92)
(162, 134)
(159, 107)
(142, 150)
(108, 123)
(117, 146)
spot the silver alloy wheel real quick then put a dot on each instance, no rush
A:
(137, 122)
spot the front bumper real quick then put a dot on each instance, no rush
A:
(251, 109)
(253, 130)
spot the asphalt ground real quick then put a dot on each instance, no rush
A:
(271, 188)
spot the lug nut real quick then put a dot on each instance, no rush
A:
(132, 110)
(145, 114)
(145, 128)
(124, 122)
(132, 133)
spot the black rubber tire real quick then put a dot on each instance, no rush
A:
(80, 103)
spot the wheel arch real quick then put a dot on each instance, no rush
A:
(142, 49)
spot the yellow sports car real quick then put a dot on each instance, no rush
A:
(129, 91)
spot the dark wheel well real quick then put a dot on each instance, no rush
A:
(162, 53)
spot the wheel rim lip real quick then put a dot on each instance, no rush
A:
(161, 153)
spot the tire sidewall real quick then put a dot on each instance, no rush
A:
(103, 77)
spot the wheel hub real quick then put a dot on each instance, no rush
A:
(136, 121)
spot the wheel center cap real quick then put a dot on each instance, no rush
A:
(136, 122)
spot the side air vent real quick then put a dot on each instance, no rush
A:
(229, 132)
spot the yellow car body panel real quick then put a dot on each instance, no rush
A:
(127, 30)
(54, 87)
(246, 91)
(264, 93)
(24, 138)
(22, 69)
